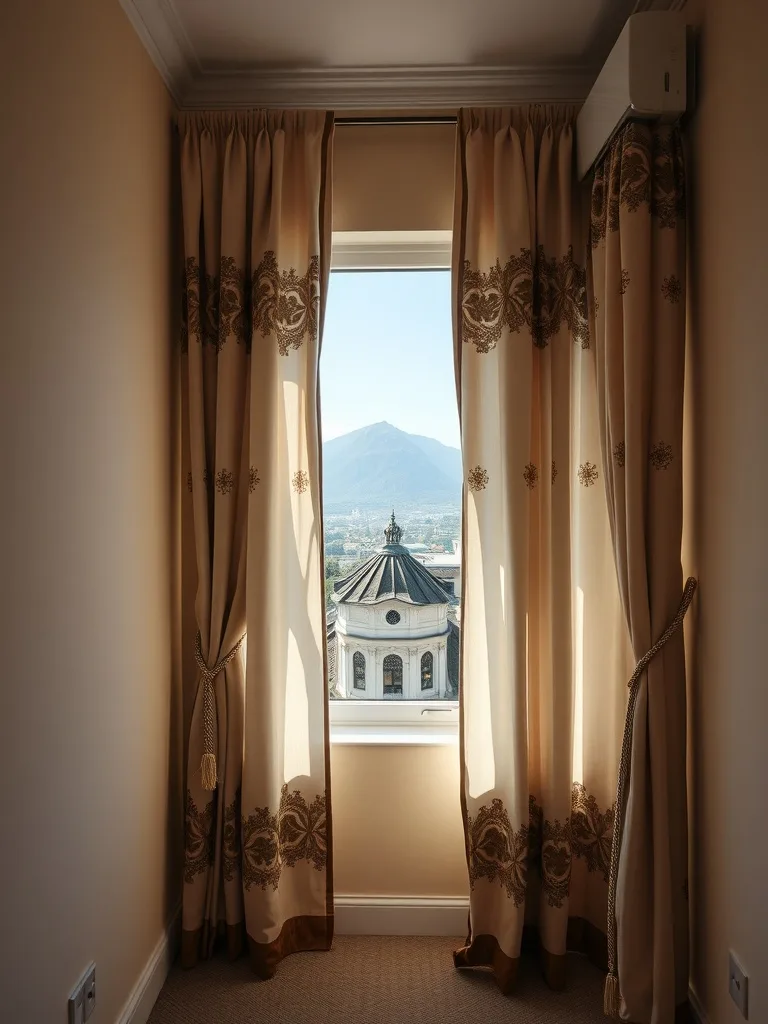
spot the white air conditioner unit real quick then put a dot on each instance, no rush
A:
(644, 77)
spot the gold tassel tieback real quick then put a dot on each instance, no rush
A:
(208, 768)
(611, 996)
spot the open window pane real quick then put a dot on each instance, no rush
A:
(392, 484)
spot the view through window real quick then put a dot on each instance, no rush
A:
(392, 480)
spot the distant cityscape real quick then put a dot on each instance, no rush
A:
(357, 534)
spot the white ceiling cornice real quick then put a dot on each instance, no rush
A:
(416, 87)
(158, 27)
(413, 88)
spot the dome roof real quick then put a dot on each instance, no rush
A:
(392, 572)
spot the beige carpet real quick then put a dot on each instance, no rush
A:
(372, 980)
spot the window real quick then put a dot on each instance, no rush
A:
(393, 676)
(358, 665)
(391, 440)
(426, 671)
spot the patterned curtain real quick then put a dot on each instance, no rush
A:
(256, 222)
(544, 639)
(638, 273)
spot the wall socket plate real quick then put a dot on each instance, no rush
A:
(738, 984)
(83, 997)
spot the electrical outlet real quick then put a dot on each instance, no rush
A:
(738, 984)
(83, 997)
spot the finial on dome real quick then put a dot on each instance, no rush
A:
(393, 533)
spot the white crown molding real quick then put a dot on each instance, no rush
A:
(412, 88)
(158, 26)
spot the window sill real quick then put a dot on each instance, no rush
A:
(393, 735)
(426, 723)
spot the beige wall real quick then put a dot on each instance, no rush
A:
(728, 420)
(393, 178)
(396, 813)
(86, 507)
(397, 821)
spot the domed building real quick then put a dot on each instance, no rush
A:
(392, 638)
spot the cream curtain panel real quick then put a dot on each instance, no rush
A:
(638, 273)
(256, 225)
(545, 648)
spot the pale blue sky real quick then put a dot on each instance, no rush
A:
(388, 354)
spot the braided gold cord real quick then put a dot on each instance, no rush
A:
(207, 677)
(612, 999)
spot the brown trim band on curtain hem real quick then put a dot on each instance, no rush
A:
(583, 937)
(484, 951)
(298, 935)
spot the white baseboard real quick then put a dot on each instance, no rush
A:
(146, 990)
(697, 1008)
(401, 915)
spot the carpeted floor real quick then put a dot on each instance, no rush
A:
(373, 980)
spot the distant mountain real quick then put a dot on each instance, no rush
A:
(381, 465)
(447, 460)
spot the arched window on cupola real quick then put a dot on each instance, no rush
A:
(358, 670)
(393, 676)
(427, 678)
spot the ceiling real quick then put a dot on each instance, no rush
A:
(378, 53)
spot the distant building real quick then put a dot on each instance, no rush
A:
(392, 637)
(445, 567)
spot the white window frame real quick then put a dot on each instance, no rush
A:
(408, 722)
(391, 250)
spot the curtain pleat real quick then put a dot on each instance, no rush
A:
(256, 225)
(638, 277)
(544, 641)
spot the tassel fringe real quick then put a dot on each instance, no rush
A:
(611, 996)
(207, 677)
(208, 769)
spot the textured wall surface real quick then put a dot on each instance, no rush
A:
(89, 871)
(727, 428)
